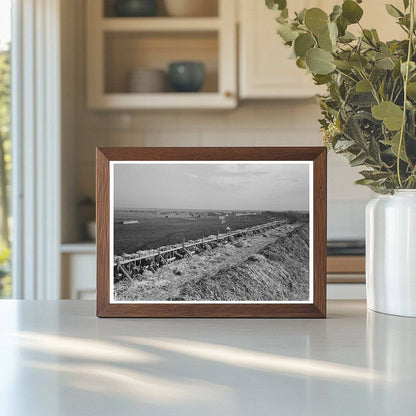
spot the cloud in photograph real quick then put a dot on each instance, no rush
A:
(226, 186)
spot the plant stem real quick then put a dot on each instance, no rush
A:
(406, 80)
(345, 75)
(369, 41)
(373, 90)
(392, 90)
(397, 95)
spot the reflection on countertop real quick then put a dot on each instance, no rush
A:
(63, 360)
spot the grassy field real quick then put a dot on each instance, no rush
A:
(271, 266)
(156, 231)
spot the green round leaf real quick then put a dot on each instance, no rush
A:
(342, 64)
(358, 160)
(347, 37)
(327, 40)
(375, 35)
(333, 32)
(286, 32)
(324, 42)
(391, 114)
(342, 25)
(368, 36)
(363, 86)
(316, 20)
(411, 90)
(284, 14)
(385, 63)
(394, 144)
(321, 79)
(393, 11)
(300, 16)
(358, 61)
(303, 43)
(319, 61)
(276, 4)
(351, 11)
(396, 70)
(336, 12)
(301, 63)
(403, 66)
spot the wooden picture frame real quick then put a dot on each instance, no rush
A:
(315, 308)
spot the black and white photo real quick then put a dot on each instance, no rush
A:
(211, 231)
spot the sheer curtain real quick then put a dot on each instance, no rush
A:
(36, 143)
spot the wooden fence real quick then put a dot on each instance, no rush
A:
(162, 256)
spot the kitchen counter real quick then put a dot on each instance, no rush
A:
(58, 359)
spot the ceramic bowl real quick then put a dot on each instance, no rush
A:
(186, 76)
(136, 8)
(147, 80)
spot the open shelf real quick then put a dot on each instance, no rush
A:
(130, 101)
(160, 24)
(127, 51)
(79, 247)
(210, 8)
(116, 46)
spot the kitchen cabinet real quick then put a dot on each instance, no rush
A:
(116, 46)
(265, 70)
(346, 278)
(78, 264)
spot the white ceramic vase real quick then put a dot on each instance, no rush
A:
(391, 253)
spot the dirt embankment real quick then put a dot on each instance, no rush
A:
(267, 267)
(279, 271)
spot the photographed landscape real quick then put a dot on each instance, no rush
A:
(194, 254)
(255, 267)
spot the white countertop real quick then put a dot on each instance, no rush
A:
(57, 359)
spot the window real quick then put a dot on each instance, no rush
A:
(5, 147)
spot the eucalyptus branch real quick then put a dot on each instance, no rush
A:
(364, 115)
(346, 75)
(403, 28)
(373, 89)
(369, 41)
(406, 80)
(398, 95)
(392, 90)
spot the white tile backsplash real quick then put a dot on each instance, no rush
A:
(253, 123)
(272, 123)
(346, 219)
(341, 180)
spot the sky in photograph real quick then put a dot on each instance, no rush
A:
(242, 186)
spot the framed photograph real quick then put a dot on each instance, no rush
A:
(211, 232)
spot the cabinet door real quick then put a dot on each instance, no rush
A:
(78, 276)
(265, 68)
(116, 46)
